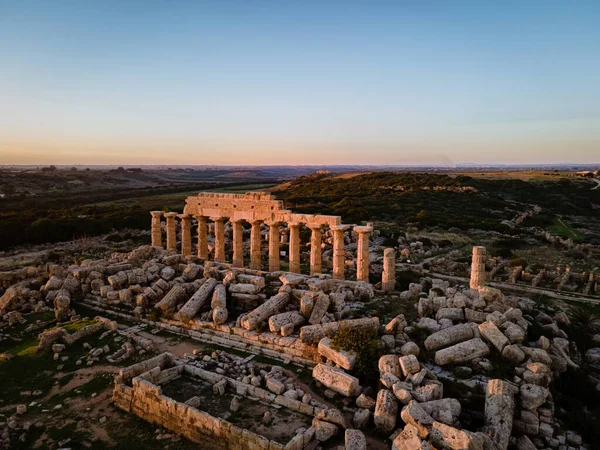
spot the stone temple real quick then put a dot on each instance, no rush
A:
(256, 209)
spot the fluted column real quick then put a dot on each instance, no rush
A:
(388, 277)
(255, 245)
(156, 232)
(294, 247)
(362, 253)
(273, 246)
(186, 234)
(238, 243)
(478, 267)
(316, 256)
(202, 237)
(219, 238)
(171, 230)
(339, 253)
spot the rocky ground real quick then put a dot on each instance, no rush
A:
(432, 366)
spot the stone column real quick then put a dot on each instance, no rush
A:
(171, 230)
(202, 237)
(219, 238)
(316, 256)
(388, 278)
(339, 252)
(478, 267)
(255, 245)
(294, 247)
(273, 246)
(238, 243)
(156, 231)
(499, 411)
(362, 253)
(186, 234)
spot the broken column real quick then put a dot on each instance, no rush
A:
(315, 249)
(264, 311)
(193, 305)
(171, 230)
(238, 244)
(478, 267)
(294, 247)
(202, 237)
(499, 411)
(362, 253)
(337, 380)
(156, 232)
(273, 246)
(186, 234)
(219, 304)
(388, 277)
(255, 245)
(219, 238)
(339, 252)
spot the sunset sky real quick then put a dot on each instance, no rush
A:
(299, 82)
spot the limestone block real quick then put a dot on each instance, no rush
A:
(408, 439)
(472, 315)
(415, 415)
(396, 325)
(243, 288)
(363, 401)
(332, 415)
(454, 314)
(312, 334)
(409, 365)
(513, 354)
(447, 437)
(319, 309)
(219, 304)
(197, 301)
(324, 430)
(337, 380)
(264, 311)
(532, 396)
(459, 353)
(341, 357)
(361, 418)
(435, 407)
(499, 412)
(425, 307)
(449, 336)
(389, 364)
(173, 297)
(278, 321)
(410, 348)
(251, 279)
(355, 440)
(275, 386)
(306, 305)
(514, 333)
(433, 390)
(386, 411)
(493, 335)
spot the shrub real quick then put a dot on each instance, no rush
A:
(368, 348)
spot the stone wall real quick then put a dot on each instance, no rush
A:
(145, 399)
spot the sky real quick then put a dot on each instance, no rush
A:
(299, 82)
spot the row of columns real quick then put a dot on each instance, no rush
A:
(339, 252)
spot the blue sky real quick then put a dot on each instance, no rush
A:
(299, 82)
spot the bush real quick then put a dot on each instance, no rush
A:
(368, 348)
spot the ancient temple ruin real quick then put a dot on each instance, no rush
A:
(257, 208)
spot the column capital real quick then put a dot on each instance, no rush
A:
(315, 226)
(272, 223)
(184, 216)
(236, 220)
(339, 227)
(218, 219)
(257, 222)
(170, 214)
(362, 229)
(294, 224)
(156, 213)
